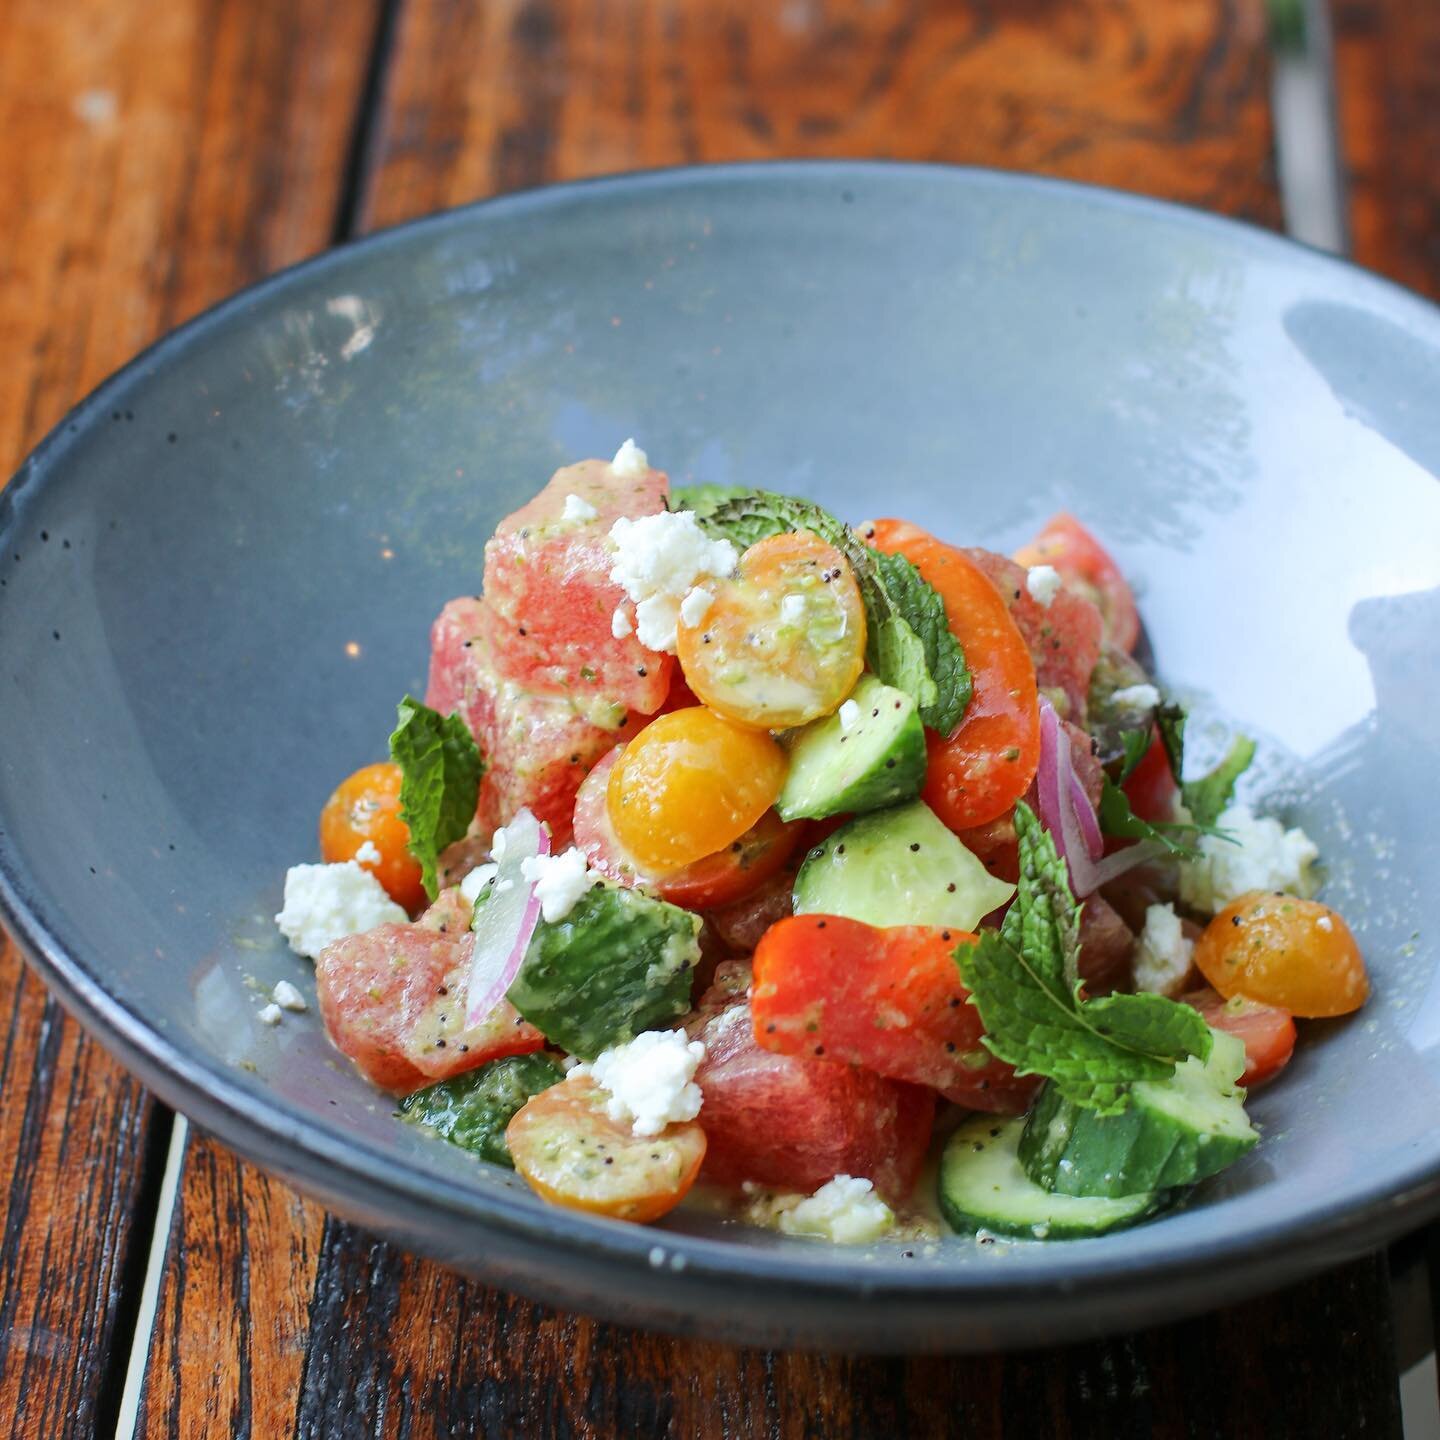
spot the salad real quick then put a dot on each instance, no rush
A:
(735, 845)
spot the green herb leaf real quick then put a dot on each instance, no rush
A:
(441, 769)
(1117, 819)
(704, 499)
(1170, 720)
(924, 612)
(1133, 745)
(1022, 978)
(1208, 796)
(909, 644)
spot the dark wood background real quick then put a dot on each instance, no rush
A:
(156, 155)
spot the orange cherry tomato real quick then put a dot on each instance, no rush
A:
(1279, 950)
(978, 773)
(573, 1154)
(783, 642)
(366, 807)
(1083, 561)
(690, 783)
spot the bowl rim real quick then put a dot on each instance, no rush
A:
(266, 1128)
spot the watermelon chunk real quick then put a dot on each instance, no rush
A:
(393, 1000)
(795, 1124)
(547, 582)
(1064, 637)
(538, 747)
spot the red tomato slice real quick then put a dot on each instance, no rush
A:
(720, 879)
(888, 1000)
(1267, 1030)
(795, 1124)
(1150, 787)
(1082, 560)
(980, 771)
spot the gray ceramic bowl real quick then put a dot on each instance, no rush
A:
(218, 575)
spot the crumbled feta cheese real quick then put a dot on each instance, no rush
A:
(1043, 583)
(1260, 855)
(559, 880)
(696, 605)
(849, 715)
(270, 1015)
(477, 880)
(324, 903)
(578, 508)
(287, 997)
(367, 854)
(792, 609)
(659, 560)
(1163, 956)
(630, 461)
(845, 1210)
(651, 1080)
(621, 624)
(1135, 697)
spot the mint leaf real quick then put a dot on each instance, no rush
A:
(1170, 720)
(1206, 797)
(1117, 819)
(1133, 745)
(1022, 979)
(896, 651)
(924, 612)
(441, 769)
(704, 499)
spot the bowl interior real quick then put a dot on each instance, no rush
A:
(219, 575)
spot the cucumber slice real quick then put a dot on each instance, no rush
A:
(473, 1109)
(898, 867)
(983, 1187)
(1175, 1132)
(618, 964)
(877, 759)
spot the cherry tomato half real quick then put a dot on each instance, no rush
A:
(366, 807)
(979, 772)
(689, 784)
(783, 641)
(1280, 950)
(1083, 561)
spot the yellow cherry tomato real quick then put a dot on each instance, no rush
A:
(1279, 950)
(366, 807)
(690, 783)
(783, 641)
(573, 1154)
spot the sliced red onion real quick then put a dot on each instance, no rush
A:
(504, 924)
(1066, 811)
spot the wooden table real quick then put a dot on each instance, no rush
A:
(156, 155)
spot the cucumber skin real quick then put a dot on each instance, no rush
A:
(472, 1110)
(967, 1221)
(620, 963)
(1073, 1151)
(896, 773)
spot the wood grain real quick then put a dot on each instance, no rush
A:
(1387, 64)
(153, 157)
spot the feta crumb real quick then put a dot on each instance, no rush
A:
(324, 903)
(1136, 697)
(650, 1080)
(1260, 855)
(621, 624)
(792, 609)
(630, 461)
(659, 559)
(367, 854)
(287, 997)
(845, 1210)
(578, 508)
(1164, 956)
(1043, 583)
(560, 880)
(477, 880)
(696, 605)
(849, 715)
(270, 1015)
